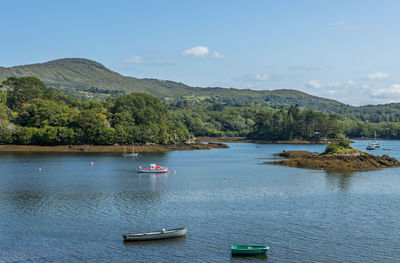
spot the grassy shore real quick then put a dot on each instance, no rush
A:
(111, 148)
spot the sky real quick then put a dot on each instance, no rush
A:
(343, 50)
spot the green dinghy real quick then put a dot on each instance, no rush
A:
(248, 249)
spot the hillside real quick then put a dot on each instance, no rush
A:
(83, 78)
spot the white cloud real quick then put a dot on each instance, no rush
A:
(314, 84)
(377, 75)
(338, 84)
(332, 91)
(254, 77)
(305, 68)
(392, 92)
(353, 93)
(260, 77)
(135, 60)
(218, 55)
(197, 51)
(342, 24)
(351, 28)
(337, 23)
(140, 60)
(351, 83)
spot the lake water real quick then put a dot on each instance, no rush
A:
(71, 211)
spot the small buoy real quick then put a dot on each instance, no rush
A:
(225, 178)
(168, 172)
(91, 163)
(174, 172)
(40, 169)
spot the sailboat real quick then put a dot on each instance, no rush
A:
(132, 154)
(375, 143)
(371, 146)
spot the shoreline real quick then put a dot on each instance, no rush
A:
(244, 139)
(373, 139)
(111, 148)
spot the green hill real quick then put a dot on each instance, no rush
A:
(83, 78)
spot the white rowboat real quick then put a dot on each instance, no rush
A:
(156, 235)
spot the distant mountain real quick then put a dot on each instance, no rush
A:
(83, 78)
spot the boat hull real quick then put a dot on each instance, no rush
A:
(130, 154)
(156, 235)
(152, 171)
(248, 250)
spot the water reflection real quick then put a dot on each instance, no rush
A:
(143, 194)
(170, 241)
(154, 155)
(341, 180)
(241, 258)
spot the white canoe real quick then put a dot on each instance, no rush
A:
(156, 235)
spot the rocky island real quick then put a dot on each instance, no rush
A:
(338, 156)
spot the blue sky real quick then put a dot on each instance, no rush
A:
(344, 50)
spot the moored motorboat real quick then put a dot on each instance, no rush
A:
(153, 169)
(156, 235)
(248, 249)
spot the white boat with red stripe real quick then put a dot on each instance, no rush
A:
(153, 169)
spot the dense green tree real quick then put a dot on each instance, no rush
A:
(91, 127)
(40, 113)
(3, 98)
(21, 90)
(142, 117)
(6, 127)
(293, 124)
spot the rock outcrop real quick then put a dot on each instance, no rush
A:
(359, 161)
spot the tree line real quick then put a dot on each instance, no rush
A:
(293, 124)
(32, 113)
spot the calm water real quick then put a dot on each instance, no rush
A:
(71, 211)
